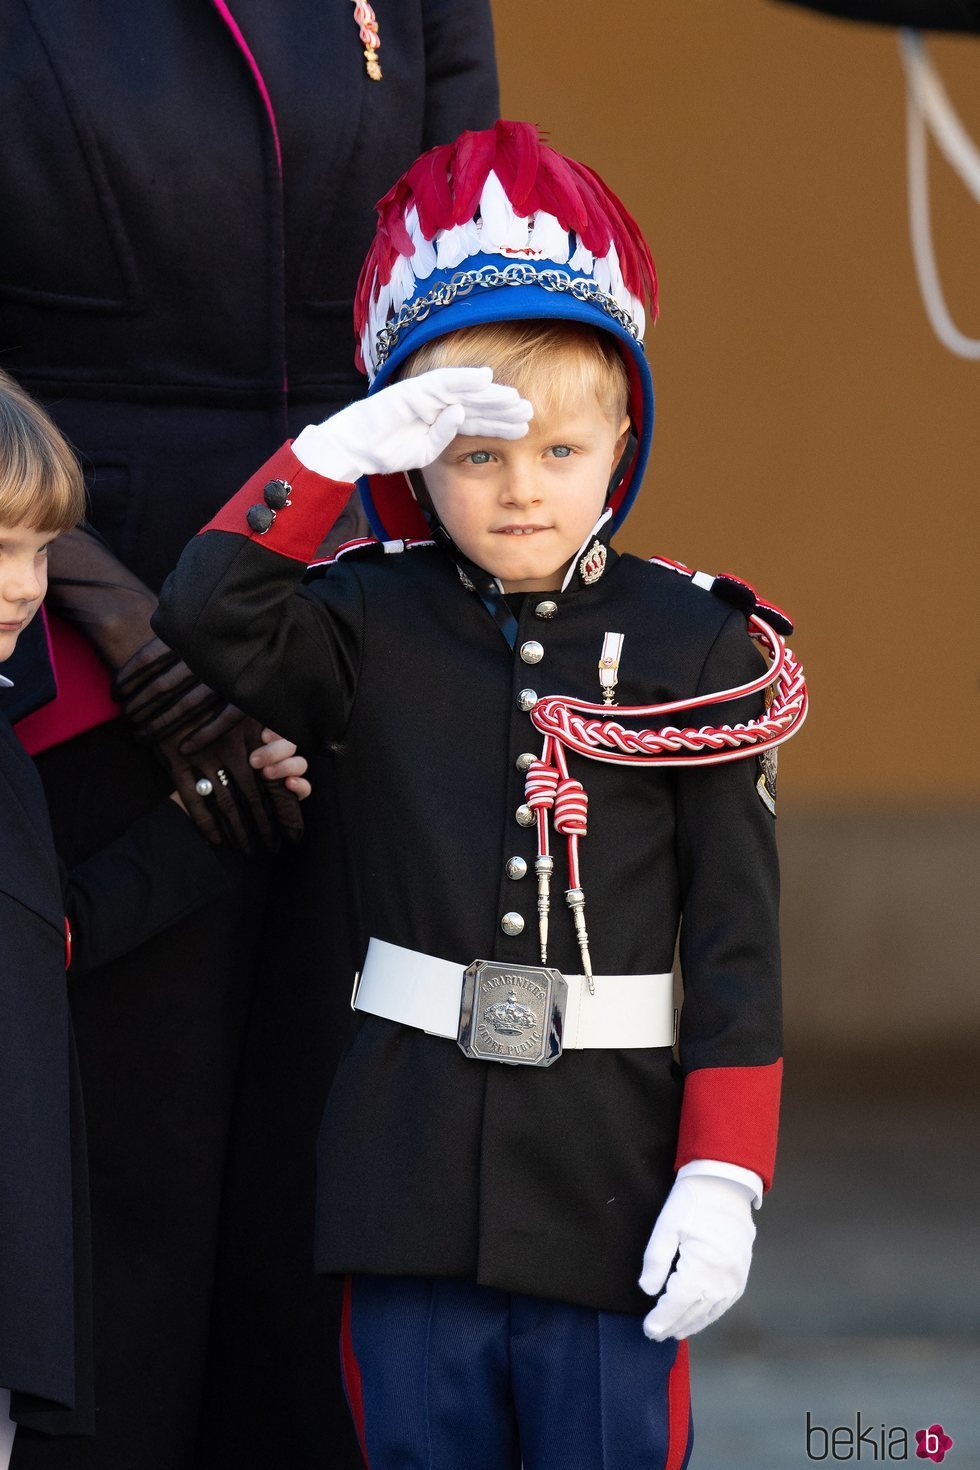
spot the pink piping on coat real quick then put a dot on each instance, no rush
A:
(222, 8)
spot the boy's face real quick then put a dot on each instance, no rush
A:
(521, 508)
(23, 580)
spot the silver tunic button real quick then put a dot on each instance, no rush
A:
(524, 762)
(546, 609)
(527, 699)
(516, 867)
(531, 652)
(512, 924)
(525, 816)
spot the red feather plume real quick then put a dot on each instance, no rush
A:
(473, 161)
(445, 185)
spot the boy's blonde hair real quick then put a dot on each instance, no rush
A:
(550, 363)
(41, 483)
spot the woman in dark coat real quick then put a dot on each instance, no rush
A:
(188, 190)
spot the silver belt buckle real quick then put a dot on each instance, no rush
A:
(512, 1013)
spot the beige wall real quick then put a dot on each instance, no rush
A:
(812, 435)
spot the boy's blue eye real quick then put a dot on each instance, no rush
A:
(561, 451)
(479, 456)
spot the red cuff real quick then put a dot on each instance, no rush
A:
(298, 529)
(732, 1113)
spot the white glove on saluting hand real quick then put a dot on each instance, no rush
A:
(408, 425)
(709, 1220)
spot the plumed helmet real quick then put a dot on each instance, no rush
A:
(498, 226)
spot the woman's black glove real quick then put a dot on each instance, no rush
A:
(230, 801)
(195, 733)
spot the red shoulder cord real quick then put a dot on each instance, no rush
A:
(569, 724)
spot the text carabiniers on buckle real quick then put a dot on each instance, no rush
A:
(512, 1013)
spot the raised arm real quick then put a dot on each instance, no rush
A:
(236, 609)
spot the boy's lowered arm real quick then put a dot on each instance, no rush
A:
(731, 1022)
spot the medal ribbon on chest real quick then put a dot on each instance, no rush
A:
(367, 25)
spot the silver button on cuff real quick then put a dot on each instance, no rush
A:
(524, 762)
(512, 924)
(527, 699)
(532, 652)
(546, 609)
(516, 867)
(525, 816)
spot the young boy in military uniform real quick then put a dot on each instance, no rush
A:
(512, 1163)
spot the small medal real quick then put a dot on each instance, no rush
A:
(612, 652)
(370, 39)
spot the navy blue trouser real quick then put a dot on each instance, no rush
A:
(448, 1375)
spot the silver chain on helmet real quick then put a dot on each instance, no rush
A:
(490, 276)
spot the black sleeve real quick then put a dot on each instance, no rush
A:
(289, 655)
(729, 874)
(160, 869)
(460, 69)
(731, 1021)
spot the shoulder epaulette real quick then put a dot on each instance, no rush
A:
(368, 543)
(733, 590)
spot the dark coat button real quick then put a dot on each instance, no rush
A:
(276, 493)
(260, 518)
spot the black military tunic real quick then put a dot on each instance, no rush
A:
(539, 1181)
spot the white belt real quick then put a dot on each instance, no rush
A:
(423, 991)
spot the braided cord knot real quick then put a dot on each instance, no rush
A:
(571, 808)
(540, 786)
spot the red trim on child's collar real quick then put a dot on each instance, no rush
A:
(84, 698)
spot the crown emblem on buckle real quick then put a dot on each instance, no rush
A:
(508, 1017)
(593, 563)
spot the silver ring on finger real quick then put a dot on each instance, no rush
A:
(223, 777)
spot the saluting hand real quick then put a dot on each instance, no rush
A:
(408, 425)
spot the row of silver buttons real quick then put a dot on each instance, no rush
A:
(531, 652)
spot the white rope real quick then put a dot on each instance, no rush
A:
(928, 107)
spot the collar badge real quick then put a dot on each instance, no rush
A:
(593, 563)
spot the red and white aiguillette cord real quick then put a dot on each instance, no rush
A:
(569, 724)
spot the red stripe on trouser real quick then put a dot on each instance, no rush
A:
(352, 1373)
(678, 1408)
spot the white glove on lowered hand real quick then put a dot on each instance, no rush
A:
(709, 1221)
(408, 425)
